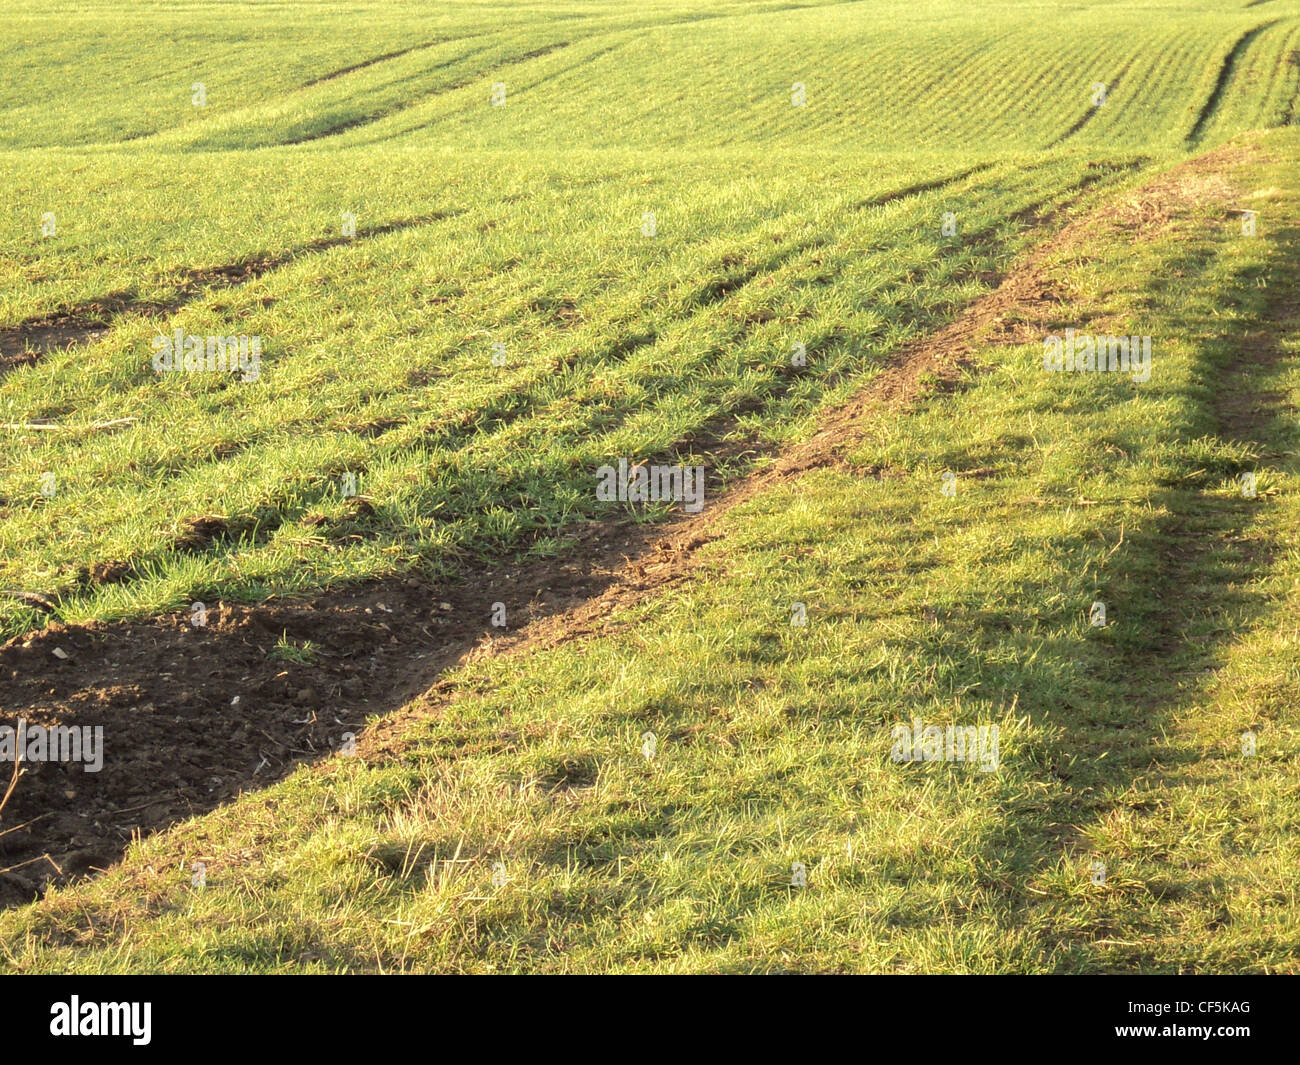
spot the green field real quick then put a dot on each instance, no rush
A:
(490, 249)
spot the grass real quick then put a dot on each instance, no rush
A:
(468, 236)
(1119, 745)
(515, 823)
(615, 345)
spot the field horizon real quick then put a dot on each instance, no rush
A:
(703, 487)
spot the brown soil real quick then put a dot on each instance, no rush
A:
(25, 344)
(193, 716)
